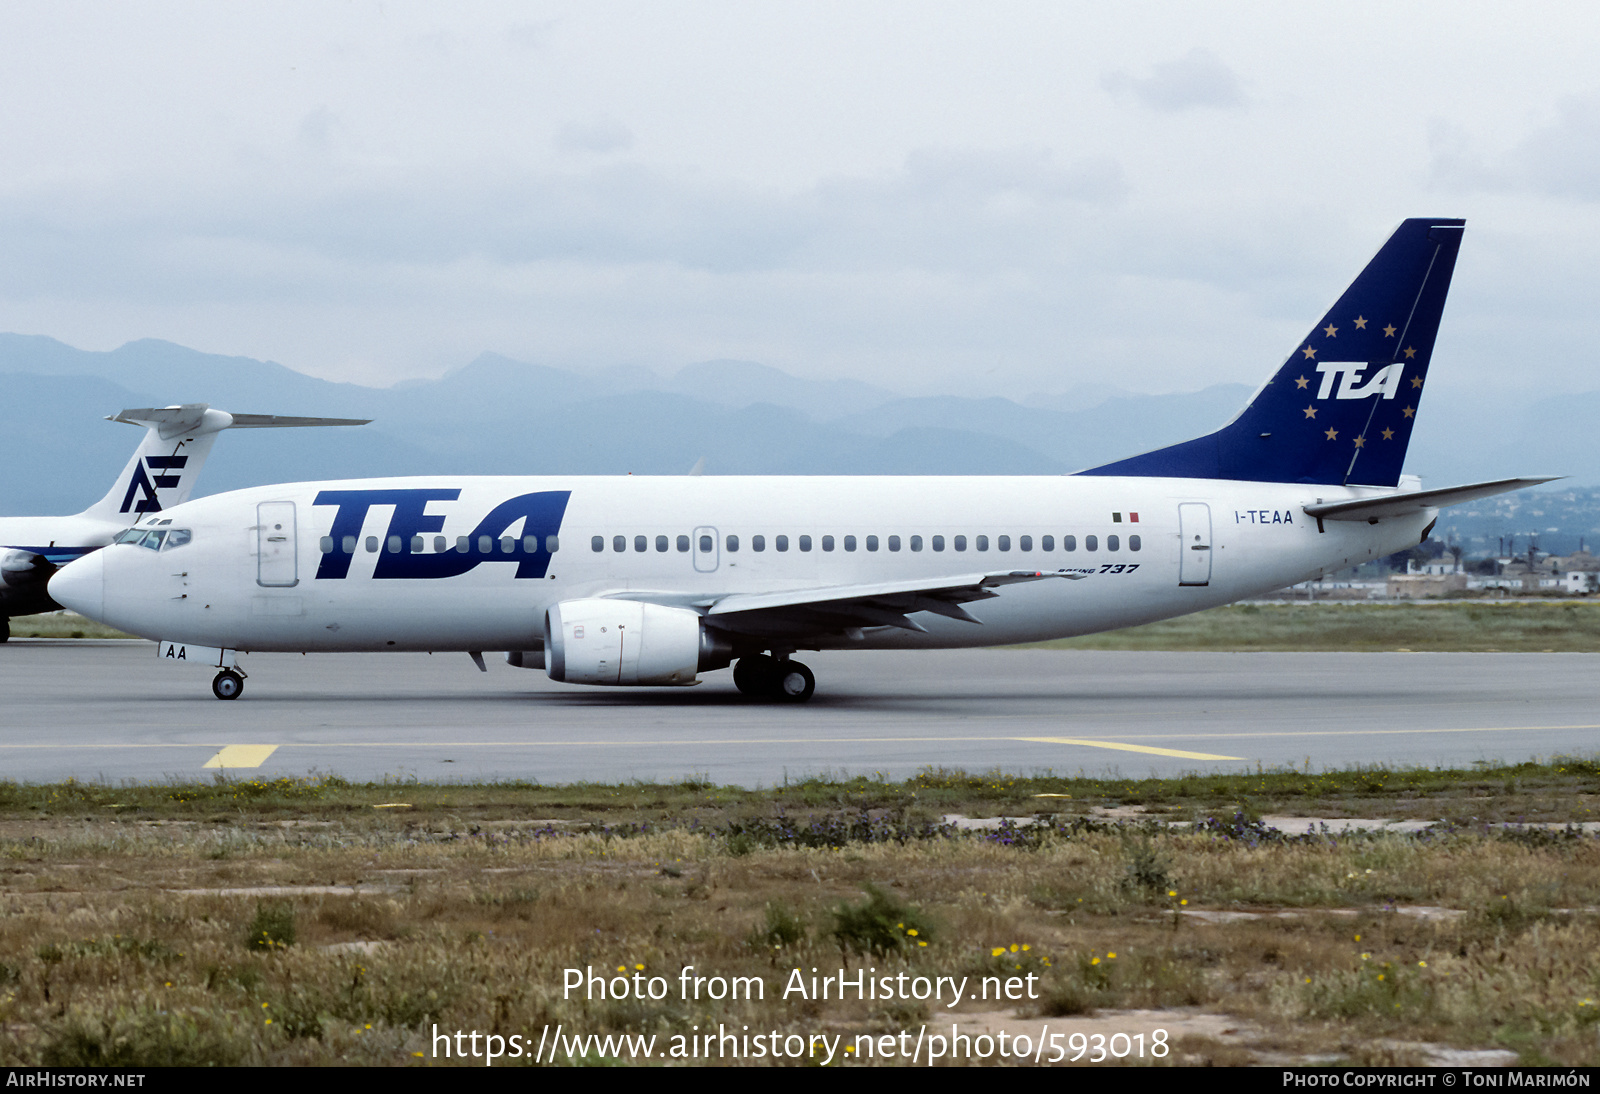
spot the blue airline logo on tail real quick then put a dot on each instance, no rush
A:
(150, 484)
(539, 514)
(1341, 409)
(1385, 382)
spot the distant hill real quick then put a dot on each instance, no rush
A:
(496, 415)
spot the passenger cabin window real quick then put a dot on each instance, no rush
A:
(1091, 543)
(372, 545)
(1113, 543)
(349, 545)
(1046, 543)
(849, 543)
(758, 543)
(1003, 542)
(707, 545)
(894, 543)
(641, 543)
(960, 543)
(440, 545)
(983, 543)
(552, 544)
(733, 543)
(916, 543)
(619, 543)
(683, 544)
(827, 543)
(780, 543)
(598, 543)
(1133, 543)
(1069, 543)
(805, 543)
(661, 544)
(872, 543)
(938, 543)
(1025, 543)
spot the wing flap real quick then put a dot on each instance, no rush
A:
(881, 604)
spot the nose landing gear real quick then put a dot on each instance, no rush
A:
(764, 677)
(228, 684)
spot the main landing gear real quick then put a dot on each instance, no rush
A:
(228, 684)
(777, 678)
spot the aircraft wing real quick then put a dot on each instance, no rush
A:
(800, 612)
(1400, 505)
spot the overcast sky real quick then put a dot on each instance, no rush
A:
(976, 198)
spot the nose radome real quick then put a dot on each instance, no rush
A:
(81, 585)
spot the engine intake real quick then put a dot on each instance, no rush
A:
(629, 643)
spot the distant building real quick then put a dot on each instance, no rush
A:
(1417, 586)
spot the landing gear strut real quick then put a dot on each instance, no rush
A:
(228, 684)
(761, 676)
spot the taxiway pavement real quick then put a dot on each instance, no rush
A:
(110, 710)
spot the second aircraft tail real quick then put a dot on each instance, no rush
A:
(177, 441)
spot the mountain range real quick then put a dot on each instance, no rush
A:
(496, 415)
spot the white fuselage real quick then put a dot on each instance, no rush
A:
(248, 578)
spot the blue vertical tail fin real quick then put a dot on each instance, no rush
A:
(1340, 410)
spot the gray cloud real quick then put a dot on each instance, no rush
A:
(1560, 160)
(601, 135)
(1197, 79)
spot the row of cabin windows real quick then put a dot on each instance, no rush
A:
(894, 543)
(511, 545)
(487, 545)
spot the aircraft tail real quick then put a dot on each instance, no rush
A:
(1341, 409)
(177, 441)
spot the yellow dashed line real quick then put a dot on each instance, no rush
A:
(241, 756)
(1119, 746)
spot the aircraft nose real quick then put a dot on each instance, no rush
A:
(81, 585)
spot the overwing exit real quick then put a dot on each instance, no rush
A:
(653, 581)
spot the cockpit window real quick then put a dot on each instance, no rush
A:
(153, 539)
(131, 535)
(177, 538)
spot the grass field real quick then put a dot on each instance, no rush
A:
(1509, 626)
(311, 921)
(61, 625)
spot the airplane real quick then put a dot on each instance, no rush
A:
(160, 475)
(651, 581)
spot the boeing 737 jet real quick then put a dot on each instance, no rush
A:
(653, 581)
(161, 474)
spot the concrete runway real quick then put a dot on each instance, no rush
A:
(110, 710)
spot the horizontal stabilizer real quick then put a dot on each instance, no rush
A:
(190, 417)
(1402, 505)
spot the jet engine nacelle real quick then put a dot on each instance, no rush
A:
(628, 642)
(21, 569)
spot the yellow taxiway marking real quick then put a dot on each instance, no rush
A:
(241, 756)
(1182, 755)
